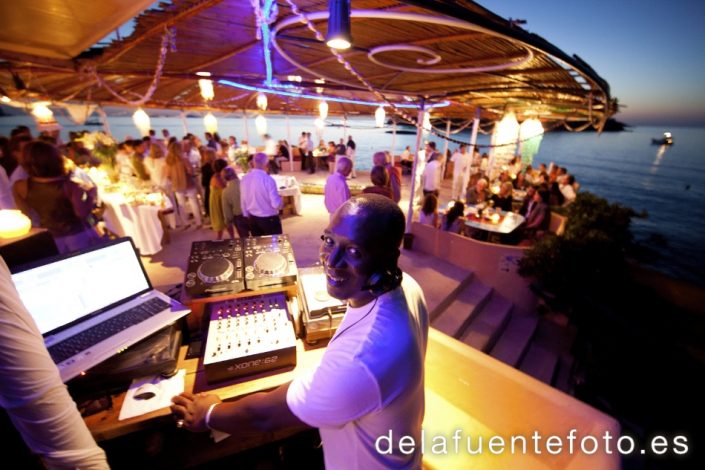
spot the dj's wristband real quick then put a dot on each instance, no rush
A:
(208, 415)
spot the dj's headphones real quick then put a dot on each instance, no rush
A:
(383, 281)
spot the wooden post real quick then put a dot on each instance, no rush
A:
(288, 144)
(419, 135)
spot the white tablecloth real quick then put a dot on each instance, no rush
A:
(141, 222)
(288, 186)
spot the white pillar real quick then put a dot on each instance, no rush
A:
(394, 138)
(473, 139)
(412, 189)
(247, 131)
(288, 144)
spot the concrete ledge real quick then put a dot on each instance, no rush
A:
(493, 264)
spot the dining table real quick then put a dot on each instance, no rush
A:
(290, 192)
(494, 221)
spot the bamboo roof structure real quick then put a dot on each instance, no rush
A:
(455, 55)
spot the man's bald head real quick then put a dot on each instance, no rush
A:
(344, 166)
(260, 160)
(379, 159)
(379, 222)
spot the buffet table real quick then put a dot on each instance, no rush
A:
(138, 216)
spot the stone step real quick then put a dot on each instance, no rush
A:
(488, 324)
(557, 338)
(564, 374)
(458, 315)
(441, 281)
(514, 342)
(539, 363)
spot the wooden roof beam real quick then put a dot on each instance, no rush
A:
(118, 49)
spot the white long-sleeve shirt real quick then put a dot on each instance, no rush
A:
(31, 390)
(259, 195)
(432, 176)
(336, 192)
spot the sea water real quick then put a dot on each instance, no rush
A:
(667, 182)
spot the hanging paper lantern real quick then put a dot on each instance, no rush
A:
(261, 124)
(141, 120)
(380, 115)
(206, 86)
(530, 135)
(262, 101)
(13, 223)
(323, 110)
(42, 112)
(210, 123)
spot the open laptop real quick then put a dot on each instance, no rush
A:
(92, 304)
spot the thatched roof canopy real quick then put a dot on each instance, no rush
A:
(453, 52)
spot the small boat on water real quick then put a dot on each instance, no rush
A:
(667, 139)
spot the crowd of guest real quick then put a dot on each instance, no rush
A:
(48, 181)
(513, 187)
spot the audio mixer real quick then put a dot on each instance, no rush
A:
(248, 335)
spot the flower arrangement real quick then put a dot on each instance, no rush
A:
(241, 156)
(101, 145)
(104, 148)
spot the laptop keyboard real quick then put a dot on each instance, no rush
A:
(94, 335)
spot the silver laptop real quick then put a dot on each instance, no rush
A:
(92, 304)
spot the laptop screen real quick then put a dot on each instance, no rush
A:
(70, 288)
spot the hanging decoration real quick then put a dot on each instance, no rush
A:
(530, 136)
(142, 122)
(79, 113)
(206, 86)
(168, 41)
(265, 14)
(262, 101)
(323, 110)
(380, 116)
(261, 124)
(210, 123)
